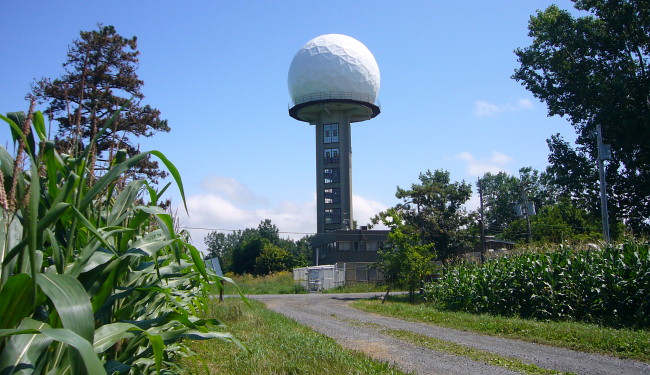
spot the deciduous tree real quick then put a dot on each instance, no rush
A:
(405, 261)
(500, 192)
(272, 258)
(558, 223)
(258, 250)
(593, 69)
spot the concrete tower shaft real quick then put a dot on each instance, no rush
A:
(334, 172)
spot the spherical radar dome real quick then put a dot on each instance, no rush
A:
(334, 65)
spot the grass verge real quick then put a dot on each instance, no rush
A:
(357, 288)
(282, 283)
(452, 348)
(277, 345)
(623, 343)
(275, 283)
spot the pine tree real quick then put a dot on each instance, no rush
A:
(100, 78)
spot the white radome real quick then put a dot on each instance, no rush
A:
(333, 64)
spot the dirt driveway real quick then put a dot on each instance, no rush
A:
(331, 315)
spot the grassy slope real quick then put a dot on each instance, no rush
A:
(276, 283)
(282, 283)
(622, 343)
(277, 345)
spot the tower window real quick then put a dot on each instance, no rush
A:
(331, 155)
(332, 216)
(331, 133)
(331, 176)
(332, 195)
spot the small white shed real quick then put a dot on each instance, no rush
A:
(317, 278)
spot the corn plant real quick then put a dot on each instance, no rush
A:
(93, 280)
(608, 285)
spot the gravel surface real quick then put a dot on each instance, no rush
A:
(331, 315)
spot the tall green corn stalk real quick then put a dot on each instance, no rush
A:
(609, 285)
(92, 280)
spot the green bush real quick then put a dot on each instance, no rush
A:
(92, 279)
(608, 285)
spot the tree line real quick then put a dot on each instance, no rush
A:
(436, 209)
(257, 251)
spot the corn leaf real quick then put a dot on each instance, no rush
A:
(124, 202)
(199, 264)
(109, 178)
(112, 366)
(24, 347)
(174, 172)
(158, 347)
(85, 349)
(16, 288)
(50, 217)
(39, 125)
(33, 234)
(150, 245)
(108, 334)
(15, 120)
(71, 302)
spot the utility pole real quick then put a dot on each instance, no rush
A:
(604, 153)
(481, 222)
(524, 206)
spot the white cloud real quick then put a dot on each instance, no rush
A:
(483, 108)
(207, 209)
(223, 207)
(231, 189)
(295, 219)
(474, 201)
(365, 209)
(478, 167)
(524, 104)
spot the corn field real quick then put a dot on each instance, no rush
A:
(609, 285)
(94, 278)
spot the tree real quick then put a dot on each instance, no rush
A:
(269, 231)
(244, 256)
(435, 207)
(594, 70)
(404, 261)
(500, 192)
(260, 250)
(572, 174)
(303, 253)
(100, 78)
(272, 259)
(557, 223)
(217, 245)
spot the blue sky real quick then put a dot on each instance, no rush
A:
(218, 72)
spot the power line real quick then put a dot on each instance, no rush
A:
(279, 232)
(238, 230)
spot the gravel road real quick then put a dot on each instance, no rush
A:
(331, 315)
